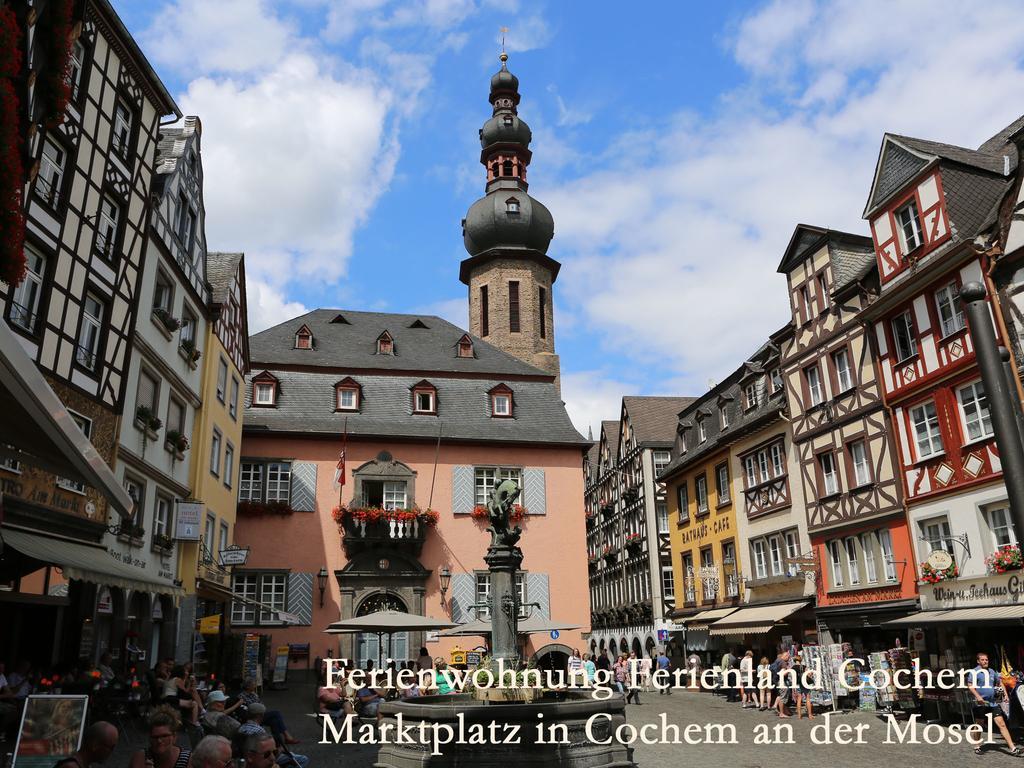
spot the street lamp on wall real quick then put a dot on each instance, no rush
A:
(321, 581)
(446, 579)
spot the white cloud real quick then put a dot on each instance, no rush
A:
(670, 250)
(267, 305)
(592, 396)
(455, 311)
(525, 33)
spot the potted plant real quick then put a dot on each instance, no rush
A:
(607, 508)
(167, 320)
(162, 541)
(634, 542)
(177, 442)
(1006, 558)
(610, 553)
(147, 420)
(428, 517)
(630, 495)
(190, 352)
(932, 575)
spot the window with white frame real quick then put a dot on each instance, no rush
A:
(27, 298)
(661, 512)
(707, 574)
(661, 460)
(163, 292)
(835, 558)
(273, 590)
(137, 492)
(668, 581)
(722, 483)
(823, 292)
(229, 464)
(792, 551)
(750, 470)
(762, 465)
(263, 392)
(683, 496)
(701, 491)
(488, 478)
(279, 481)
(222, 381)
(852, 560)
(829, 474)
(844, 374)
(927, 438)
(394, 494)
(750, 395)
(689, 586)
(775, 376)
(233, 402)
(778, 466)
(250, 486)
(247, 586)
(815, 391)
(121, 131)
(702, 432)
(85, 425)
(759, 558)
(1000, 527)
(187, 334)
(162, 516)
(348, 398)
(974, 413)
(951, 313)
(209, 532)
(869, 546)
(909, 226)
(89, 332)
(888, 557)
(223, 542)
(483, 592)
(215, 445)
(50, 179)
(76, 66)
(937, 534)
(723, 416)
(424, 401)
(729, 565)
(805, 300)
(775, 552)
(860, 462)
(106, 227)
(501, 404)
(904, 340)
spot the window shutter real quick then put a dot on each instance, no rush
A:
(463, 490)
(537, 592)
(300, 595)
(463, 591)
(303, 496)
(534, 494)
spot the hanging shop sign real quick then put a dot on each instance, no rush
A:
(940, 559)
(233, 555)
(188, 521)
(210, 625)
(994, 589)
(104, 602)
(158, 611)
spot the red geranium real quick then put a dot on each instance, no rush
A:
(1006, 558)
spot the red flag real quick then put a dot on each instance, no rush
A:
(339, 472)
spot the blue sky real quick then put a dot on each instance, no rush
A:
(677, 144)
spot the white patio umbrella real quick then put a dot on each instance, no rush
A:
(387, 623)
(530, 626)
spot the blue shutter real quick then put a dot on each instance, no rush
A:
(303, 495)
(463, 595)
(534, 493)
(537, 592)
(300, 595)
(463, 490)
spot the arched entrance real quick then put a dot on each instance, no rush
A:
(553, 656)
(637, 648)
(651, 646)
(613, 649)
(378, 648)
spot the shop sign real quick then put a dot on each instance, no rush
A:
(158, 611)
(188, 521)
(45, 490)
(209, 625)
(995, 589)
(104, 602)
(51, 730)
(698, 533)
(234, 555)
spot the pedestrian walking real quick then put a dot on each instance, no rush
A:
(802, 688)
(646, 665)
(575, 665)
(782, 691)
(620, 672)
(764, 684)
(664, 664)
(633, 669)
(590, 667)
(728, 663)
(747, 684)
(985, 685)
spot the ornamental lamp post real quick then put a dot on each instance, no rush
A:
(321, 581)
(445, 577)
(1000, 401)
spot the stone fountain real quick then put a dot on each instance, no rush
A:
(534, 746)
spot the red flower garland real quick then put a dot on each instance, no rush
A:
(519, 513)
(12, 174)
(1006, 558)
(930, 575)
(373, 514)
(54, 30)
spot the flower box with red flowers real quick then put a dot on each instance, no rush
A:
(260, 508)
(1006, 558)
(931, 575)
(343, 514)
(634, 542)
(610, 553)
(519, 513)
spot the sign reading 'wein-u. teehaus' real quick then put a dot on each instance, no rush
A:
(997, 589)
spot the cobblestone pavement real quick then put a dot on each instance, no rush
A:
(682, 708)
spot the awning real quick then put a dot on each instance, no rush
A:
(289, 619)
(1013, 614)
(41, 432)
(704, 619)
(85, 562)
(756, 619)
(532, 625)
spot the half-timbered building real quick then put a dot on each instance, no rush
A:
(90, 175)
(933, 210)
(628, 535)
(841, 431)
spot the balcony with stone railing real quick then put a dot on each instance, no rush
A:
(366, 527)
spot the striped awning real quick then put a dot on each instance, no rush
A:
(755, 619)
(1013, 614)
(704, 619)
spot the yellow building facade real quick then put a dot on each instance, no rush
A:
(216, 455)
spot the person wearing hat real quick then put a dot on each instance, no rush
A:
(273, 719)
(255, 726)
(217, 721)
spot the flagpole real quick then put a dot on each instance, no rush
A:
(437, 450)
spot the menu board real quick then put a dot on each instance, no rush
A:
(51, 729)
(250, 656)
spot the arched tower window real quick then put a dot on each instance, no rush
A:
(512, 205)
(507, 168)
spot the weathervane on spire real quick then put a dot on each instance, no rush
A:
(504, 56)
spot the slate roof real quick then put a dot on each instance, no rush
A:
(852, 260)
(740, 421)
(654, 418)
(305, 404)
(306, 378)
(221, 268)
(171, 147)
(353, 345)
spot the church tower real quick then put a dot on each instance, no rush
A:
(507, 232)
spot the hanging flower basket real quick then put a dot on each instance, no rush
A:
(519, 513)
(931, 575)
(1006, 558)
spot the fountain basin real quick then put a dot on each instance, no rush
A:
(532, 746)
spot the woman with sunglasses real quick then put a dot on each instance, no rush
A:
(163, 750)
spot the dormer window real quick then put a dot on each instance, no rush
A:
(264, 390)
(750, 395)
(465, 346)
(385, 344)
(909, 226)
(512, 205)
(347, 395)
(304, 338)
(501, 402)
(424, 398)
(702, 430)
(776, 378)
(723, 416)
